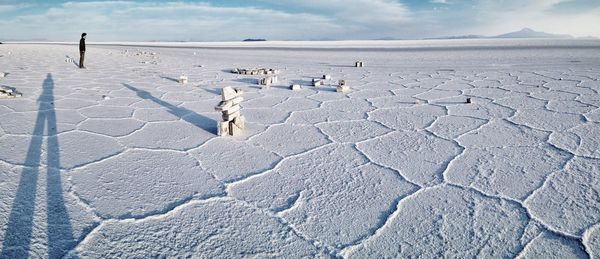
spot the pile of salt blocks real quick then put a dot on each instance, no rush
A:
(233, 123)
(260, 71)
(359, 64)
(267, 81)
(7, 92)
(183, 79)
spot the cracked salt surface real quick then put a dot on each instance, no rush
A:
(119, 161)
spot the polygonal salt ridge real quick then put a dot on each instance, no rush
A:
(573, 107)
(481, 108)
(370, 93)
(435, 94)
(223, 159)
(337, 110)
(353, 131)
(297, 104)
(455, 222)
(591, 241)
(518, 101)
(70, 103)
(308, 181)
(588, 139)
(182, 135)
(567, 202)
(100, 111)
(265, 101)
(502, 133)
(111, 127)
(451, 127)
(513, 172)
(287, 140)
(240, 228)
(59, 226)
(543, 119)
(405, 152)
(144, 189)
(550, 245)
(426, 83)
(413, 118)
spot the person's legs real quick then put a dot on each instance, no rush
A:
(81, 58)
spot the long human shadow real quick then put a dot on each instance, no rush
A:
(18, 235)
(190, 116)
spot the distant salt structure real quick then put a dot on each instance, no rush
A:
(233, 123)
(295, 87)
(268, 81)
(7, 92)
(260, 71)
(326, 77)
(359, 64)
(317, 82)
(342, 87)
(468, 100)
(183, 79)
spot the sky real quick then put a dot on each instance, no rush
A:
(234, 20)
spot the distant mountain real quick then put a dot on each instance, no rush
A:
(254, 40)
(457, 37)
(522, 34)
(529, 33)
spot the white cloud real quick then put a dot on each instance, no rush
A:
(125, 20)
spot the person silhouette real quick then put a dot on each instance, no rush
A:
(82, 50)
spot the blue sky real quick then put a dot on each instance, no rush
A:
(234, 20)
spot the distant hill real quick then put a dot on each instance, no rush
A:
(457, 37)
(529, 33)
(255, 40)
(522, 34)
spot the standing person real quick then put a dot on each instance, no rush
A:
(82, 50)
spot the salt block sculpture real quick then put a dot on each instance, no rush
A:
(326, 77)
(317, 82)
(359, 64)
(267, 81)
(295, 87)
(342, 87)
(260, 71)
(233, 123)
(183, 79)
(7, 92)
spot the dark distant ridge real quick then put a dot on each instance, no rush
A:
(522, 34)
(255, 40)
(529, 33)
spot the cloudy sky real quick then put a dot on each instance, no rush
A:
(233, 20)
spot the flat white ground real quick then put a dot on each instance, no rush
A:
(119, 160)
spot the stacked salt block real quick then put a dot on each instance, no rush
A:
(317, 82)
(183, 79)
(260, 71)
(233, 123)
(295, 87)
(359, 64)
(326, 77)
(267, 81)
(6, 92)
(342, 87)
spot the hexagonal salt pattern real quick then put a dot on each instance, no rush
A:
(118, 160)
(146, 177)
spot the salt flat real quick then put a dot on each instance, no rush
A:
(120, 160)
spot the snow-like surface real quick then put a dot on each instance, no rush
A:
(120, 160)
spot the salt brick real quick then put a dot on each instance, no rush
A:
(228, 93)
